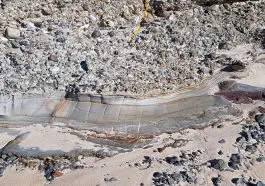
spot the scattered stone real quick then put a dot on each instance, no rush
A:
(12, 33)
(260, 159)
(260, 118)
(236, 158)
(110, 179)
(260, 184)
(234, 67)
(220, 126)
(235, 161)
(15, 44)
(46, 11)
(220, 152)
(2, 170)
(84, 66)
(96, 34)
(221, 141)
(217, 180)
(218, 164)
(157, 174)
(238, 181)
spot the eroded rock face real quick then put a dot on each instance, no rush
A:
(115, 114)
(176, 46)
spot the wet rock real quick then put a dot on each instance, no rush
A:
(12, 33)
(218, 164)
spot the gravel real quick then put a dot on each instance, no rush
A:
(178, 45)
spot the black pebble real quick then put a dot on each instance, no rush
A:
(84, 66)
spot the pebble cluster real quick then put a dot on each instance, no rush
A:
(250, 138)
(46, 46)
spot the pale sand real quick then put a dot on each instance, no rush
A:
(118, 166)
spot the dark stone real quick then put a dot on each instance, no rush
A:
(84, 66)
(218, 164)
(15, 44)
(255, 135)
(236, 158)
(224, 46)
(260, 118)
(172, 160)
(221, 141)
(260, 184)
(260, 159)
(241, 139)
(96, 34)
(234, 67)
(217, 180)
(161, 149)
(170, 181)
(251, 148)
(48, 172)
(2, 170)
(237, 181)
(157, 174)
(147, 159)
(24, 42)
(220, 152)
(111, 33)
(227, 85)
(61, 39)
(85, 7)
(141, 184)
(176, 177)
(110, 179)
(233, 165)
(220, 126)
(116, 52)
